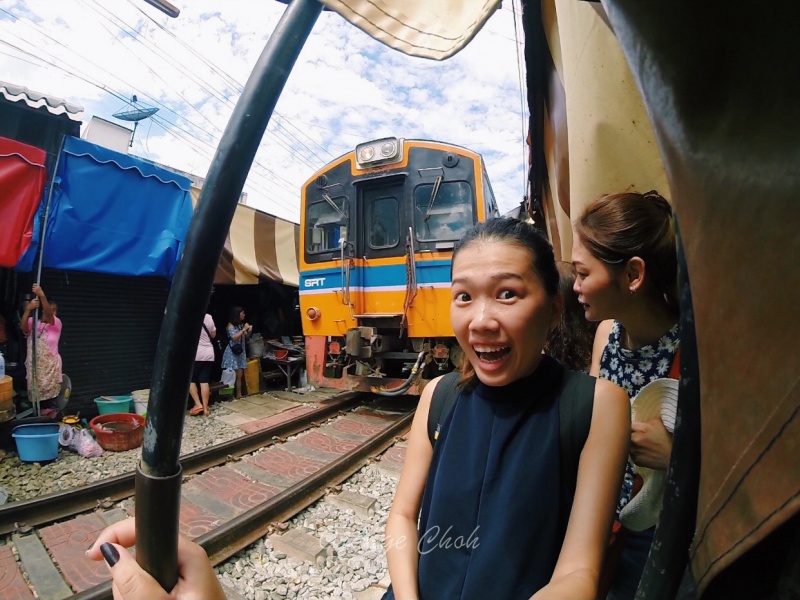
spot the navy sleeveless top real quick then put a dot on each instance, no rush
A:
(490, 523)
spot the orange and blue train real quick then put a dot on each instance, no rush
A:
(378, 227)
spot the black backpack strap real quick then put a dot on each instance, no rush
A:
(444, 395)
(575, 420)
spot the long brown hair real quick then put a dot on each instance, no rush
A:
(571, 340)
(617, 227)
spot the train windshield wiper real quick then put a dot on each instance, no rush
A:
(436, 185)
(330, 201)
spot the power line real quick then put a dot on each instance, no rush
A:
(184, 136)
(279, 141)
(290, 187)
(236, 85)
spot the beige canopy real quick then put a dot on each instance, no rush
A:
(597, 136)
(259, 247)
(428, 28)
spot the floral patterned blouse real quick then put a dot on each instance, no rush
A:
(632, 370)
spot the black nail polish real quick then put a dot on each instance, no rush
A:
(110, 553)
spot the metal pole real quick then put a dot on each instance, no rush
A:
(35, 328)
(159, 473)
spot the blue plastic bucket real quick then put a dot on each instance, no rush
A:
(113, 404)
(36, 442)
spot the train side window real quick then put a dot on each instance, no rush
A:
(384, 223)
(445, 214)
(326, 225)
(488, 197)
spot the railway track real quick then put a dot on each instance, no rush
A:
(232, 495)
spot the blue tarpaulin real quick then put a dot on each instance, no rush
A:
(113, 213)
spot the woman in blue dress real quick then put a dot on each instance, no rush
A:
(480, 514)
(626, 262)
(237, 331)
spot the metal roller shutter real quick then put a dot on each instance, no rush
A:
(111, 326)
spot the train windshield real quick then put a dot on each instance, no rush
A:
(444, 213)
(327, 224)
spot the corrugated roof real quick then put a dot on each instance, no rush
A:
(36, 100)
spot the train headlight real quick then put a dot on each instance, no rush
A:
(366, 154)
(389, 149)
(313, 313)
(384, 151)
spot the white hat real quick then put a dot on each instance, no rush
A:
(659, 398)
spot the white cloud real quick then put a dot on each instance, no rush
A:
(345, 88)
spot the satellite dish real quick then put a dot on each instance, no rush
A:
(138, 113)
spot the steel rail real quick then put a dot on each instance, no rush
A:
(67, 503)
(245, 529)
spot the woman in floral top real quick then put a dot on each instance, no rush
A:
(626, 264)
(238, 331)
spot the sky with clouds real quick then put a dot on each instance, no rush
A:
(346, 88)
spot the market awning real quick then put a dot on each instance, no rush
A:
(114, 213)
(428, 28)
(36, 100)
(22, 179)
(259, 247)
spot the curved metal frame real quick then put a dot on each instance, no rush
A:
(158, 476)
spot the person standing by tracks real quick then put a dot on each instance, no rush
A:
(45, 379)
(235, 355)
(626, 261)
(203, 362)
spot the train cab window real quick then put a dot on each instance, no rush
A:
(384, 223)
(327, 225)
(443, 211)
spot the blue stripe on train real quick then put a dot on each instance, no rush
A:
(428, 273)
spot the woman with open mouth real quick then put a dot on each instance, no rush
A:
(482, 512)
